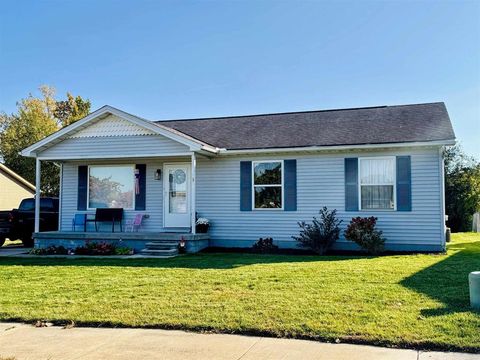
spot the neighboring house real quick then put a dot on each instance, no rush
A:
(257, 176)
(13, 188)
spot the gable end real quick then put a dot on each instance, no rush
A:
(111, 126)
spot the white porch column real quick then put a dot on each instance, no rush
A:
(193, 190)
(37, 194)
(60, 198)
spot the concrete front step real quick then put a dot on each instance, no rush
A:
(161, 245)
(160, 252)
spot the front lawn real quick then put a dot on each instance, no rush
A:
(403, 300)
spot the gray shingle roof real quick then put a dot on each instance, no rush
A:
(372, 125)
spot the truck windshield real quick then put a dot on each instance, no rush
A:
(29, 204)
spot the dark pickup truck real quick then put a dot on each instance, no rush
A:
(20, 223)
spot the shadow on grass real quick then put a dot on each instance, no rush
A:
(190, 261)
(447, 280)
(211, 258)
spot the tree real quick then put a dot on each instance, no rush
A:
(462, 188)
(36, 118)
(71, 109)
(105, 192)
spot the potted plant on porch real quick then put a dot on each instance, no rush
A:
(202, 225)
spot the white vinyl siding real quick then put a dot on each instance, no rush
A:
(320, 182)
(115, 146)
(111, 126)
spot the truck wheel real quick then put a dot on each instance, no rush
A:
(2, 241)
(27, 242)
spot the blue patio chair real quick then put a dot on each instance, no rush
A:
(79, 220)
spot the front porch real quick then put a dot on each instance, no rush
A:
(150, 243)
(143, 171)
(167, 210)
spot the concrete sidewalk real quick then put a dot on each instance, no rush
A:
(21, 341)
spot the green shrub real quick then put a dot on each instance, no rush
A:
(264, 246)
(37, 251)
(362, 231)
(51, 250)
(123, 251)
(320, 235)
(94, 248)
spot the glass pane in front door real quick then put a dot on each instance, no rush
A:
(177, 191)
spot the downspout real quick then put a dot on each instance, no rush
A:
(443, 225)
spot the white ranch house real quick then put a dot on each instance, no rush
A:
(252, 176)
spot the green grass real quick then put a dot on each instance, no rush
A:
(418, 301)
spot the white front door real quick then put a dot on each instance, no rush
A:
(176, 195)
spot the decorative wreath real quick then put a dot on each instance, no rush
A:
(179, 176)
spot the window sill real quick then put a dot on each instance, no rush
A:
(267, 209)
(376, 210)
(124, 209)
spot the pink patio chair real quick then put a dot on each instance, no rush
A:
(135, 224)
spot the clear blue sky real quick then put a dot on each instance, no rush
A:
(183, 59)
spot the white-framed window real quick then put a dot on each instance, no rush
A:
(111, 186)
(377, 178)
(267, 183)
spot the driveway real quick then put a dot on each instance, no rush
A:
(20, 341)
(13, 250)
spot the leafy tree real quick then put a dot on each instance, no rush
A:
(36, 118)
(72, 109)
(462, 188)
(106, 192)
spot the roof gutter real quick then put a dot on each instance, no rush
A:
(210, 149)
(338, 147)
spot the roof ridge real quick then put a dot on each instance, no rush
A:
(295, 112)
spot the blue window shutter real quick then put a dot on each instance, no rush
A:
(82, 187)
(142, 182)
(351, 184)
(290, 186)
(245, 186)
(404, 184)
